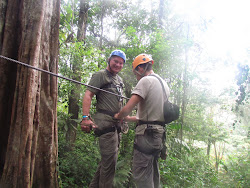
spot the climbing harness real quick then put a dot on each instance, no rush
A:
(53, 74)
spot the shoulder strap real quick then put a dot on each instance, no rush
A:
(161, 85)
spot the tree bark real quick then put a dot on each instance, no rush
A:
(28, 98)
(7, 73)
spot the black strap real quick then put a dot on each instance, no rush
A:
(104, 131)
(107, 130)
(140, 122)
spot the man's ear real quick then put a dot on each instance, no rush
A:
(108, 60)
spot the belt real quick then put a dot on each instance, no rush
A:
(107, 130)
(104, 131)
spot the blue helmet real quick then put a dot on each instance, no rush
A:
(119, 53)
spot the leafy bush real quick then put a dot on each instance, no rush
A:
(123, 174)
(77, 165)
(236, 171)
(192, 169)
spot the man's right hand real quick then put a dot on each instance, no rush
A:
(87, 125)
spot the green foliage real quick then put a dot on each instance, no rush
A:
(135, 29)
(123, 174)
(77, 165)
(191, 170)
(236, 171)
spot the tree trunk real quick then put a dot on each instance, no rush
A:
(161, 13)
(75, 92)
(216, 157)
(209, 146)
(83, 20)
(28, 98)
(7, 76)
(218, 152)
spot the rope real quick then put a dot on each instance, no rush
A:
(53, 74)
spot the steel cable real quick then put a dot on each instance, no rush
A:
(53, 74)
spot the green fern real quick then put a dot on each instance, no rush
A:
(123, 174)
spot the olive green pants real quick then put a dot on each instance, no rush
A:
(145, 166)
(105, 173)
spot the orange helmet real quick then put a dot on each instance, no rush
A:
(141, 59)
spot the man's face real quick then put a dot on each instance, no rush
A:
(116, 64)
(138, 73)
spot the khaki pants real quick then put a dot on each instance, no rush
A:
(145, 166)
(105, 173)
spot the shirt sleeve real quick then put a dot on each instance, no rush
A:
(142, 87)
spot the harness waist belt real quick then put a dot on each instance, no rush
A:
(107, 130)
(104, 131)
(140, 122)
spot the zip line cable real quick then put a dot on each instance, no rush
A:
(56, 75)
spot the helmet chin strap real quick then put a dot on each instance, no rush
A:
(142, 74)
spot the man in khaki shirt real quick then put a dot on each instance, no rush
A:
(150, 130)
